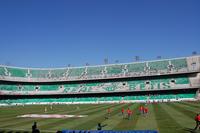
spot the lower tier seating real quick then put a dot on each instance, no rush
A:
(98, 99)
(133, 85)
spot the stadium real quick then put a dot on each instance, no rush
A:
(99, 66)
(77, 98)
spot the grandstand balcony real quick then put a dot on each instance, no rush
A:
(129, 85)
(139, 69)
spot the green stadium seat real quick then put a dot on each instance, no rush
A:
(2, 71)
(17, 72)
(136, 67)
(94, 71)
(39, 73)
(179, 63)
(98, 99)
(115, 69)
(57, 73)
(75, 72)
(133, 85)
(158, 65)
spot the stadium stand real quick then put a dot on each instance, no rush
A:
(136, 67)
(39, 73)
(134, 85)
(95, 71)
(2, 71)
(159, 65)
(114, 69)
(17, 72)
(59, 73)
(106, 79)
(98, 72)
(179, 63)
(97, 99)
(76, 72)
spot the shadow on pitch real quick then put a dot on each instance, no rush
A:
(191, 130)
(2, 131)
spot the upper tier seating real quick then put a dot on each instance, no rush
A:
(95, 71)
(2, 71)
(17, 72)
(114, 69)
(76, 72)
(57, 73)
(136, 67)
(179, 63)
(90, 72)
(39, 73)
(158, 65)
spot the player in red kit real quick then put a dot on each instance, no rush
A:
(109, 111)
(128, 113)
(146, 110)
(197, 119)
(122, 112)
(141, 109)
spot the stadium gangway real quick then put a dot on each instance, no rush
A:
(109, 131)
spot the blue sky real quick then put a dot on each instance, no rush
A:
(55, 33)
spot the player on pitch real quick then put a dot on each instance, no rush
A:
(129, 113)
(141, 109)
(99, 126)
(146, 110)
(197, 119)
(108, 113)
(122, 111)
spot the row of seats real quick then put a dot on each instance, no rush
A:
(29, 87)
(90, 72)
(134, 85)
(100, 99)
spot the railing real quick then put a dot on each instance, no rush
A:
(4, 92)
(99, 77)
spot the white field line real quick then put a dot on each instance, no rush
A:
(51, 116)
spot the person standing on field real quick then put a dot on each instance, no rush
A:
(122, 112)
(145, 110)
(129, 113)
(109, 112)
(141, 108)
(99, 126)
(197, 119)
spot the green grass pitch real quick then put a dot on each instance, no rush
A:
(164, 117)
